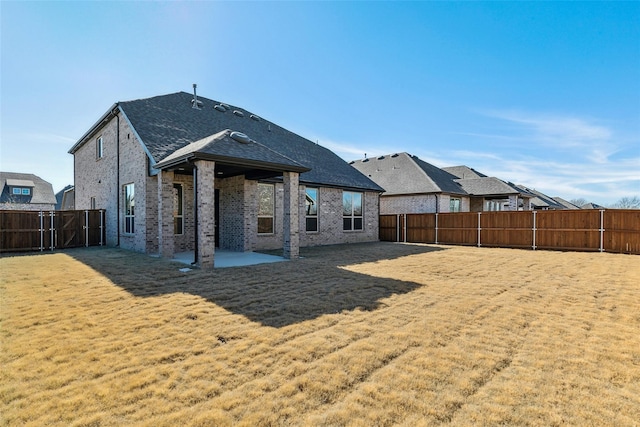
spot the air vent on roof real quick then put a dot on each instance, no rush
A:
(381, 157)
(238, 113)
(254, 117)
(195, 103)
(240, 137)
(394, 155)
(220, 108)
(226, 106)
(365, 160)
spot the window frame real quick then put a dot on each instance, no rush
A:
(349, 215)
(178, 211)
(129, 208)
(310, 216)
(266, 216)
(92, 203)
(99, 148)
(452, 208)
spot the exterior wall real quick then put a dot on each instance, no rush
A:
(98, 178)
(330, 230)
(185, 241)
(27, 207)
(232, 213)
(420, 203)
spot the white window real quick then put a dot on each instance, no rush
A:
(454, 205)
(351, 211)
(129, 208)
(266, 208)
(99, 148)
(21, 191)
(311, 207)
(92, 203)
(178, 216)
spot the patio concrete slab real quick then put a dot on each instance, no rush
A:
(223, 259)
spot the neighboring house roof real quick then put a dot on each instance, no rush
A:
(541, 200)
(62, 202)
(41, 190)
(464, 172)
(591, 206)
(403, 173)
(168, 123)
(488, 186)
(565, 203)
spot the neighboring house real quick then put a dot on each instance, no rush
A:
(541, 201)
(565, 203)
(26, 192)
(591, 206)
(182, 173)
(489, 193)
(413, 186)
(65, 199)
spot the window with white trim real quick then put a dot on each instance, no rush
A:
(454, 204)
(20, 191)
(311, 209)
(178, 216)
(266, 208)
(352, 211)
(129, 208)
(99, 148)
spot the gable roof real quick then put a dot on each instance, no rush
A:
(565, 203)
(42, 191)
(403, 173)
(541, 200)
(464, 172)
(168, 123)
(487, 186)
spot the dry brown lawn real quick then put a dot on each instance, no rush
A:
(363, 335)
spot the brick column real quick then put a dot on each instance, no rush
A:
(205, 184)
(513, 202)
(291, 226)
(165, 214)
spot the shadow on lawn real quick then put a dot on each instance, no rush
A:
(277, 294)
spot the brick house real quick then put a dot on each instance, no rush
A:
(179, 173)
(413, 186)
(25, 192)
(488, 193)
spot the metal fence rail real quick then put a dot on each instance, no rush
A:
(49, 230)
(610, 230)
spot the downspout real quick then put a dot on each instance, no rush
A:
(195, 214)
(115, 112)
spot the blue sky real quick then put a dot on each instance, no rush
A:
(544, 94)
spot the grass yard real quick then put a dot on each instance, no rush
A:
(364, 335)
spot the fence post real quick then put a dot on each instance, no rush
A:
(86, 228)
(479, 213)
(101, 221)
(534, 230)
(405, 228)
(41, 232)
(52, 215)
(601, 230)
(436, 228)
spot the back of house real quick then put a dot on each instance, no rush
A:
(180, 172)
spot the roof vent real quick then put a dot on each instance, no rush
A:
(381, 157)
(394, 155)
(238, 113)
(365, 160)
(254, 117)
(220, 108)
(194, 102)
(226, 106)
(240, 137)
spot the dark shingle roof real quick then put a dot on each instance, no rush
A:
(168, 123)
(405, 174)
(42, 190)
(541, 200)
(487, 186)
(565, 203)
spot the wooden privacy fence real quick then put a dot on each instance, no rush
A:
(610, 230)
(49, 230)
